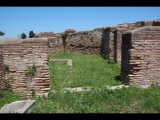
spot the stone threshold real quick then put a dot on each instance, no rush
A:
(63, 61)
(83, 89)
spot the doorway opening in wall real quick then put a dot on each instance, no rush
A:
(87, 71)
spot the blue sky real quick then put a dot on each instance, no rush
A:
(16, 20)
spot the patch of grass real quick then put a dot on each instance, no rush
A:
(125, 100)
(7, 97)
(87, 70)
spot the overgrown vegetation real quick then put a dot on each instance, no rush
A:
(87, 70)
(7, 95)
(31, 71)
(30, 74)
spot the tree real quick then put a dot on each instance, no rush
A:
(31, 34)
(1, 33)
(23, 36)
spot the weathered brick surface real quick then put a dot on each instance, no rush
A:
(55, 45)
(20, 54)
(148, 23)
(85, 42)
(140, 23)
(107, 45)
(105, 49)
(121, 28)
(141, 56)
(1, 70)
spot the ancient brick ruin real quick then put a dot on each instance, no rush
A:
(141, 56)
(110, 42)
(105, 41)
(19, 55)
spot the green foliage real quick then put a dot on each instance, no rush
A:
(31, 34)
(30, 74)
(2, 33)
(7, 86)
(23, 36)
(6, 68)
(31, 71)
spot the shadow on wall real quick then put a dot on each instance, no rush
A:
(126, 57)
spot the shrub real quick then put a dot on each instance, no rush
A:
(1, 33)
(31, 34)
(23, 36)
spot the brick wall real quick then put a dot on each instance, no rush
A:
(55, 45)
(141, 56)
(107, 47)
(84, 42)
(19, 55)
(2, 75)
(121, 28)
(105, 41)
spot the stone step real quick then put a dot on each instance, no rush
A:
(66, 61)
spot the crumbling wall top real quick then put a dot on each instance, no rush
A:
(20, 41)
(142, 29)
